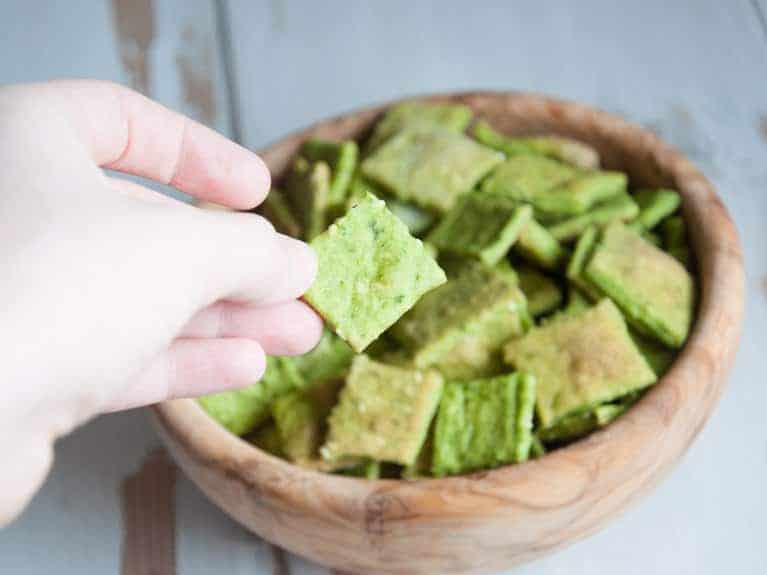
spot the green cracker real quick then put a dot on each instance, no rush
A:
(583, 192)
(536, 245)
(483, 424)
(242, 410)
(654, 207)
(308, 188)
(277, 210)
(460, 327)
(581, 424)
(384, 412)
(430, 168)
(581, 255)
(542, 293)
(620, 208)
(565, 150)
(371, 271)
(299, 425)
(341, 157)
(528, 178)
(451, 117)
(481, 225)
(653, 289)
(576, 302)
(580, 361)
(330, 359)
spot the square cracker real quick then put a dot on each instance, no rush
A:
(580, 361)
(483, 423)
(654, 291)
(481, 225)
(383, 413)
(371, 271)
(430, 167)
(460, 327)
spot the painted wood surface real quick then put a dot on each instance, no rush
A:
(694, 71)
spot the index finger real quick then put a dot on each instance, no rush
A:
(128, 132)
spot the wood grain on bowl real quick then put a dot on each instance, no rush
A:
(504, 517)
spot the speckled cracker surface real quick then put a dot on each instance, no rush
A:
(654, 291)
(460, 327)
(430, 167)
(482, 424)
(481, 225)
(580, 361)
(383, 413)
(528, 178)
(242, 410)
(452, 117)
(371, 271)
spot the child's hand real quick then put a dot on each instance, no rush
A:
(112, 296)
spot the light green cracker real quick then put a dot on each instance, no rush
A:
(384, 412)
(430, 168)
(242, 410)
(277, 210)
(621, 208)
(481, 225)
(654, 291)
(542, 293)
(460, 327)
(580, 194)
(308, 189)
(536, 245)
(371, 271)
(341, 157)
(559, 148)
(581, 255)
(479, 423)
(451, 117)
(654, 207)
(580, 361)
(528, 178)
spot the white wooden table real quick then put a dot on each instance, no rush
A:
(695, 71)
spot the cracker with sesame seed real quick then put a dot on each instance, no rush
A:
(371, 271)
(383, 413)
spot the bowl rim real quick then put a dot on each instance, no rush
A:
(699, 370)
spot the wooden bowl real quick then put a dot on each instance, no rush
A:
(494, 519)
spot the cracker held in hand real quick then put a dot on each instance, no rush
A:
(383, 413)
(580, 361)
(371, 271)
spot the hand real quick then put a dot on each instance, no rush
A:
(113, 296)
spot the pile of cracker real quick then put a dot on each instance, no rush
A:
(486, 298)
